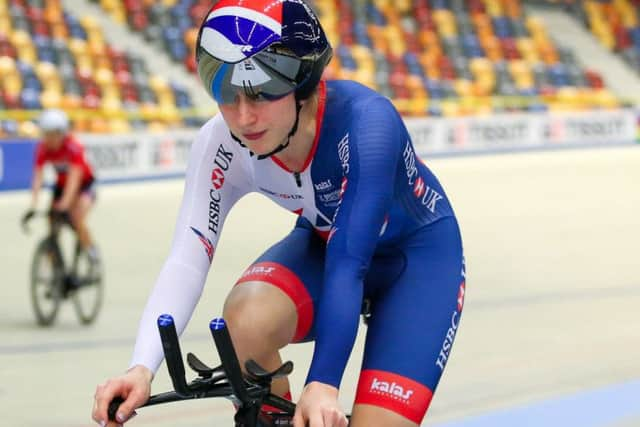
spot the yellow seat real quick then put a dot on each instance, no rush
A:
(51, 99)
(28, 129)
(119, 126)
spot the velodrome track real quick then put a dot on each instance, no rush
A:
(551, 330)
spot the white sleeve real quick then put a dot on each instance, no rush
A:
(215, 180)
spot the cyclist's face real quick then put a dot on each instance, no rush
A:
(53, 139)
(261, 125)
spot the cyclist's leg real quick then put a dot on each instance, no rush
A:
(418, 316)
(79, 211)
(272, 303)
(55, 197)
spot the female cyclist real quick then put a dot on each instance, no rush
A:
(373, 222)
(74, 192)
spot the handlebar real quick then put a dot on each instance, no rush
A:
(58, 218)
(247, 392)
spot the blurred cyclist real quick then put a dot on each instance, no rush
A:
(73, 193)
(373, 222)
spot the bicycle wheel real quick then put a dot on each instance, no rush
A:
(88, 288)
(47, 275)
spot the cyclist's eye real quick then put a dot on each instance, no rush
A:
(258, 97)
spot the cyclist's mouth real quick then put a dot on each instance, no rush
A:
(254, 136)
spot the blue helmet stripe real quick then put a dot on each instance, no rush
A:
(216, 84)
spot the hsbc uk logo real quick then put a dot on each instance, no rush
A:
(428, 196)
(445, 350)
(222, 162)
(343, 153)
(390, 388)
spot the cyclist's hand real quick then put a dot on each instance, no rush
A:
(134, 387)
(60, 216)
(318, 407)
(27, 217)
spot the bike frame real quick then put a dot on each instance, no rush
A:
(248, 392)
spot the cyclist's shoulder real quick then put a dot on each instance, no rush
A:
(354, 93)
(72, 143)
(355, 102)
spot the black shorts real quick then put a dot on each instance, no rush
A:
(86, 188)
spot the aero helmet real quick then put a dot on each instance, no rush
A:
(267, 48)
(53, 120)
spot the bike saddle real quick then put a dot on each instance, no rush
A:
(258, 373)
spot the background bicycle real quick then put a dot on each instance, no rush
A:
(61, 269)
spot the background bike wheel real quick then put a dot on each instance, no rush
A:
(46, 282)
(87, 297)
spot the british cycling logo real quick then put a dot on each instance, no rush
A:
(208, 246)
(390, 388)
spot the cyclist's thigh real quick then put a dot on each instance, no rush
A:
(295, 265)
(417, 317)
(83, 202)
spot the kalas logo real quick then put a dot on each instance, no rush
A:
(390, 388)
(258, 269)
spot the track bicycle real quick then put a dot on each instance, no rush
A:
(56, 276)
(248, 392)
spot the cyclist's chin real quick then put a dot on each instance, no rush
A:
(261, 146)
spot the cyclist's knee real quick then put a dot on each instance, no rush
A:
(258, 312)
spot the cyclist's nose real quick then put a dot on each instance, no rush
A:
(246, 112)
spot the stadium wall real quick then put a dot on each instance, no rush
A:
(133, 157)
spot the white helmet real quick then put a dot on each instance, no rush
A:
(54, 120)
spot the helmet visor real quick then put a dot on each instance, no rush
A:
(266, 76)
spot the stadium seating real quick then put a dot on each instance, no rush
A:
(50, 58)
(615, 25)
(432, 57)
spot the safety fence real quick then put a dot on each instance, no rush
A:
(140, 156)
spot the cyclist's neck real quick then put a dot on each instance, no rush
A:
(295, 156)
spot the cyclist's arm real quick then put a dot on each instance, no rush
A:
(202, 214)
(71, 187)
(36, 186)
(375, 150)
